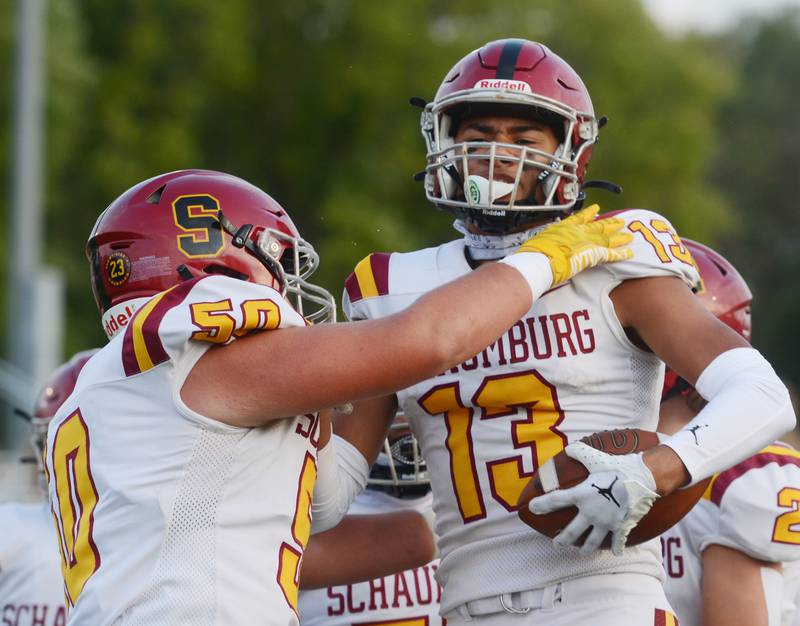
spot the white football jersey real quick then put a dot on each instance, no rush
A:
(565, 370)
(751, 507)
(31, 589)
(165, 516)
(409, 598)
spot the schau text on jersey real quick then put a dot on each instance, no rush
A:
(412, 588)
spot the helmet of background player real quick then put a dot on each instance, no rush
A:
(517, 78)
(722, 289)
(400, 469)
(57, 389)
(724, 292)
(191, 223)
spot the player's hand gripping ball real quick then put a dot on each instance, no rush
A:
(619, 499)
(579, 242)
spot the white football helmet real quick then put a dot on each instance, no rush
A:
(400, 469)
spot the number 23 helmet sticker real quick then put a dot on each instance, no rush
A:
(118, 268)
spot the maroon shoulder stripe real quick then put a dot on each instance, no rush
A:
(129, 362)
(150, 327)
(379, 261)
(352, 288)
(155, 349)
(726, 478)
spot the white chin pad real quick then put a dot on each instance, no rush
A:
(477, 189)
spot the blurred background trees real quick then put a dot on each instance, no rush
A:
(309, 100)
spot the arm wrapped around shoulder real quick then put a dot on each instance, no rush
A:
(562, 249)
(748, 408)
(342, 474)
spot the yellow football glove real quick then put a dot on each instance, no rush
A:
(580, 242)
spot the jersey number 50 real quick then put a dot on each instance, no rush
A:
(76, 499)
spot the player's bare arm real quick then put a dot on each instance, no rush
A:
(300, 370)
(357, 550)
(365, 427)
(333, 364)
(663, 315)
(733, 590)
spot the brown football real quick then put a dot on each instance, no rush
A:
(666, 511)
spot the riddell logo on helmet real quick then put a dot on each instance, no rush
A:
(508, 85)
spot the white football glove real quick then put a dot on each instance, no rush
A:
(618, 492)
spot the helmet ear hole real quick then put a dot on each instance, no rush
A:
(155, 197)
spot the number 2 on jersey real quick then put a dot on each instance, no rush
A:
(498, 396)
(76, 502)
(787, 524)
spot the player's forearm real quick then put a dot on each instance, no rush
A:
(668, 470)
(336, 363)
(357, 549)
(748, 408)
(366, 426)
(480, 307)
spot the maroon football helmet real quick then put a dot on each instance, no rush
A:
(724, 292)
(189, 223)
(58, 388)
(519, 78)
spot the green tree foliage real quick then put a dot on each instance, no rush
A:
(69, 81)
(309, 99)
(757, 164)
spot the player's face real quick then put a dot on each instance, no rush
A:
(518, 131)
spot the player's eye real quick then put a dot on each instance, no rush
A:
(528, 140)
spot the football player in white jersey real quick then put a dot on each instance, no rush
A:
(180, 486)
(31, 588)
(509, 135)
(398, 482)
(724, 561)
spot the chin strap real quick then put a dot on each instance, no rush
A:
(493, 247)
(605, 185)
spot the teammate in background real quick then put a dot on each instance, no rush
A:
(724, 559)
(180, 489)
(398, 482)
(509, 136)
(31, 587)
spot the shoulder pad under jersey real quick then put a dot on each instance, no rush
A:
(384, 283)
(657, 249)
(211, 309)
(758, 501)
